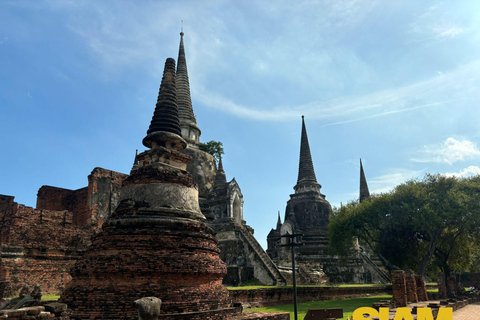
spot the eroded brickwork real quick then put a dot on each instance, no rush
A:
(411, 286)
(399, 288)
(422, 293)
(41, 245)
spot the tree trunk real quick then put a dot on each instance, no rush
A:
(422, 266)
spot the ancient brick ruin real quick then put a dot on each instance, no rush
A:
(156, 243)
(308, 213)
(408, 288)
(41, 245)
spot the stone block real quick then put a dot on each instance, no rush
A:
(33, 311)
(56, 307)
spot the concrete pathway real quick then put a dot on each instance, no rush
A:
(469, 312)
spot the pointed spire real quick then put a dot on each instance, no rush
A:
(164, 128)
(220, 164)
(306, 173)
(364, 192)
(221, 177)
(190, 131)
(185, 109)
(306, 181)
(135, 161)
(279, 222)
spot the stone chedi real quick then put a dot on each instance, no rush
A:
(156, 243)
(221, 201)
(308, 213)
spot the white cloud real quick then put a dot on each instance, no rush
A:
(447, 31)
(450, 151)
(437, 23)
(388, 181)
(467, 172)
(441, 89)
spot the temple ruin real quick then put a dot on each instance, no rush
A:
(157, 242)
(308, 213)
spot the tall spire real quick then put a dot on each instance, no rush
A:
(164, 128)
(306, 174)
(279, 222)
(185, 109)
(364, 193)
(188, 123)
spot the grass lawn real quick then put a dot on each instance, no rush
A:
(348, 305)
(255, 287)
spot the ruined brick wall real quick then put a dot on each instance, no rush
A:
(279, 296)
(91, 205)
(411, 286)
(421, 288)
(103, 196)
(6, 203)
(53, 198)
(39, 246)
(399, 288)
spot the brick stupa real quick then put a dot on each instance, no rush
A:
(156, 243)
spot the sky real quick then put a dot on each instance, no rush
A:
(395, 83)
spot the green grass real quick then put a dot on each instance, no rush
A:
(255, 287)
(348, 305)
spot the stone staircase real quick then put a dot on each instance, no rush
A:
(374, 263)
(266, 262)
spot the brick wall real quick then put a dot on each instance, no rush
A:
(39, 246)
(399, 288)
(103, 196)
(279, 296)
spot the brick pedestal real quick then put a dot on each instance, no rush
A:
(399, 288)
(421, 288)
(411, 286)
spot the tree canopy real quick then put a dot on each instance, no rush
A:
(430, 222)
(215, 148)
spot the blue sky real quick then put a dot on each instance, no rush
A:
(395, 83)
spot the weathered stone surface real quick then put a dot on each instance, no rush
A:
(148, 308)
(56, 307)
(202, 168)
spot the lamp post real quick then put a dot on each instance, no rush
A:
(292, 244)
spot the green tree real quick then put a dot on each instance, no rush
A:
(436, 219)
(215, 148)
